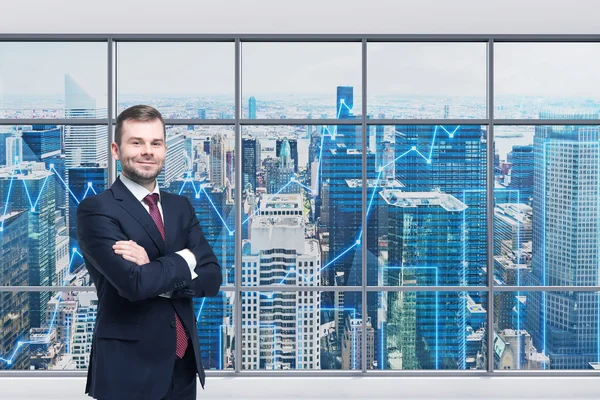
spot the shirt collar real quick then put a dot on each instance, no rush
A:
(138, 190)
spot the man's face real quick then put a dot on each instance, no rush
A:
(142, 152)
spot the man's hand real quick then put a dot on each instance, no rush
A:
(131, 251)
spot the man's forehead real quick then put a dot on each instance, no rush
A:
(144, 130)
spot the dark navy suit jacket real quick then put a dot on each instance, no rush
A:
(133, 347)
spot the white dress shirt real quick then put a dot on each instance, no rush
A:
(140, 193)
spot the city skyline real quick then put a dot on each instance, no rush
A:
(305, 181)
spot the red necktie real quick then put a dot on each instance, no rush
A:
(182, 341)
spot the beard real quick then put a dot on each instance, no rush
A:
(140, 176)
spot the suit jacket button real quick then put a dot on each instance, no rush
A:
(173, 324)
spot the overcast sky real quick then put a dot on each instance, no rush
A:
(458, 69)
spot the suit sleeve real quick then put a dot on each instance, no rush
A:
(97, 233)
(209, 279)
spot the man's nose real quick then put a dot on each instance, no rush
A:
(147, 148)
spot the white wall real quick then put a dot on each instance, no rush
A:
(300, 16)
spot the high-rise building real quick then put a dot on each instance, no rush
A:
(252, 108)
(175, 162)
(41, 142)
(425, 246)
(85, 180)
(250, 154)
(32, 189)
(285, 170)
(453, 160)
(280, 329)
(14, 306)
(564, 325)
(84, 143)
(521, 172)
(293, 150)
(352, 354)
(14, 150)
(217, 160)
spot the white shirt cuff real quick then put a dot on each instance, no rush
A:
(167, 295)
(189, 257)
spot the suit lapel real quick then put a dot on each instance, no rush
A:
(130, 204)
(169, 218)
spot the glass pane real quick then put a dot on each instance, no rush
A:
(302, 205)
(182, 80)
(426, 80)
(426, 205)
(298, 80)
(303, 330)
(546, 215)
(428, 330)
(53, 80)
(45, 172)
(62, 339)
(546, 330)
(542, 80)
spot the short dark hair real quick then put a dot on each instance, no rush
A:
(140, 113)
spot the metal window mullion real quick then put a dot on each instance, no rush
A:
(112, 73)
(490, 205)
(364, 208)
(238, 210)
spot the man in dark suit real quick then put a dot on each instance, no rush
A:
(146, 254)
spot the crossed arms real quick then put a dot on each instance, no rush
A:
(126, 266)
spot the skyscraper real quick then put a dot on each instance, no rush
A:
(84, 143)
(14, 306)
(250, 153)
(32, 190)
(453, 160)
(14, 150)
(564, 325)
(285, 169)
(521, 172)
(252, 108)
(293, 143)
(280, 329)
(217, 160)
(425, 248)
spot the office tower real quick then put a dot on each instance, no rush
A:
(252, 108)
(175, 163)
(521, 172)
(4, 134)
(453, 160)
(217, 160)
(350, 135)
(341, 167)
(41, 142)
(293, 150)
(32, 189)
(512, 259)
(83, 329)
(85, 180)
(352, 352)
(564, 325)
(280, 329)
(250, 153)
(425, 245)
(14, 150)
(285, 169)
(84, 144)
(14, 271)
